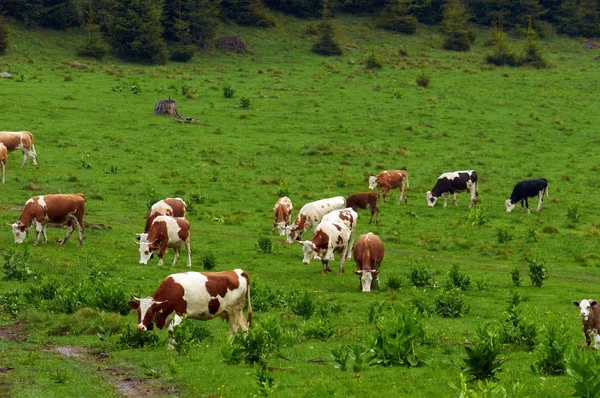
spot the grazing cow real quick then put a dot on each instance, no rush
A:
(387, 180)
(174, 207)
(347, 217)
(527, 189)
(329, 238)
(450, 183)
(310, 216)
(198, 295)
(56, 208)
(3, 159)
(366, 200)
(283, 211)
(166, 231)
(22, 140)
(368, 255)
(590, 318)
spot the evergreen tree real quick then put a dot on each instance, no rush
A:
(501, 54)
(56, 14)
(247, 13)
(578, 17)
(510, 13)
(94, 45)
(191, 21)
(396, 16)
(3, 35)
(533, 50)
(134, 30)
(455, 27)
(326, 44)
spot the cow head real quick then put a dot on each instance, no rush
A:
(147, 250)
(372, 182)
(431, 199)
(509, 205)
(142, 237)
(291, 233)
(149, 311)
(19, 231)
(585, 307)
(308, 249)
(366, 278)
(281, 227)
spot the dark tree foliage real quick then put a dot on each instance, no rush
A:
(327, 44)
(501, 54)
(3, 35)
(301, 8)
(247, 13)
(133, 29)
(191, 21)
(510, 13)
(56, 14)
(458, 36)
(397, 16)
(94, 45)
(361, 6)
(578, 17)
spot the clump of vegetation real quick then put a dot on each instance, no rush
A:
(537, 271)
(458, 36)
(264, 380)
(482, 361)
(209, 261)
(420, 302)
(504, 234)
(394, 282)
(11, 303)
(342, 355)
(94, 45)
(515, 276)
(260, 342)
(3, 35)
(573, 214)
(16, 265)
(397, 16)
(501, 54)
(302, 304)
(420, 277)
(551, 351)
(327, 43)
(245, 102)
(533, 49)
(264, 245)
(584, 367)
(477, 216)
(373, 61)
(398, 340)
(228, 90)
(133, 338)
(423, 80)
(450, 303)
(516, 330)
(457, 279)
(318, 329)
(189, 333)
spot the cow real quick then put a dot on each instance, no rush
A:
(387, 180)
(328, 238)
(174, 207)
(55, 208)
(368, 255)
(527, 189)
(590, 318)
(197, 295)
(165, 232)
(310, 216)
(3, 159)
(365, 200)
(283, 211)
(349, 218)
(450, 183)
(22, 140)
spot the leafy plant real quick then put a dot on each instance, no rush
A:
(228, 90)
(482, 361)
(264, 245)
(189, 333)
(133, 338)
(359, 353)
(261, 341)
(136, 88)
(457, 279)
(421, 277)
(245, 102)
(573, 214)
(537, 271)
(11, 303)
(264, 380)
(394, 282)
(327, 43)
(504, 234)
(516, 330)
(283, 190)
(341, 356)
(584, 368)
(516, 277)
(318, 329)
(423, 80)
(373, 61)
(375, 311)
(232, 354)
(16, 265)
(450, 303)
(551, 351)
(302, 304)
(209, 261)
(420, 302)
(477, 216)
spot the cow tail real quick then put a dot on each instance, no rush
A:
(245, 275)
(546, 190)
(407, 181)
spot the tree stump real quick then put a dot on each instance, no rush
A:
(166, 107)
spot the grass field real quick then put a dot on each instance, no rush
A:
(315, 128)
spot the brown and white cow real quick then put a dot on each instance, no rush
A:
(349, 218)
(283, 211)
(310, 216)
(329, 238)
(365, 200)
(22, 140)
(174, 207)
(166, 232)
(198, 295)
(368, 255)
(55, 208)
(3, 159)
(390, 179)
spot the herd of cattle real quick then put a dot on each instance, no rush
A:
(223, 294)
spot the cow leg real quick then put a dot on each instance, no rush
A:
(540, 199)
(522, 201)
(3, 171)
(69, 231)
(445, 195)
(342, 259)
(39, 228)
(25, 157)
(175, 255)
(350, 246)
(174, 321)
(376, 215)
(161, 253)
(188, 248)
(527, 205)
(454, 198)
(596, 338)
(384, 193)
(326, 267)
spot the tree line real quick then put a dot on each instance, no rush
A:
(156, 30)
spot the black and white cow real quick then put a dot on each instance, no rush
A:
(527, 189)
(450, 183)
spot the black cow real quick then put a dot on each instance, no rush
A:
(450, 183)
(527, 189)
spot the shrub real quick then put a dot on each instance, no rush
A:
(373, 61)
(450, 303)
(264, 380)
(394, 282)
(537, 272)
(228, 90)
(501, 54)
(247, 13)
(3, 35)
(44, 289)
(455, 27)
(533, 49)
(551, 351)
(423, 80)
(282, 190)
(399, 336)
(421, 277)
(482, 361)
(136, 339)
(189, 333)
(477, 216)
(396, 16)
(375, 311)
(420, 302)
(110, 296)
(326, 44)
(573, 214)
(11, 303)
(94, 45)
(318, 329)
(516, 277)
(514, 329)
(503, 234)
(16, 265)
(209, 261)
(182, 52)
(264, 298)
(264, 245)
(341, 356)
(302, 304)
(458, 279)
(584, 368)
(245, 102)
(262, 340)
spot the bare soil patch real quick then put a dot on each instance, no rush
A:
(14, 332)
(69, 351)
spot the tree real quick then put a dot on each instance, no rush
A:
(191, 21)
(509, 13)
(94, 45)
(134, 30)
(396, 16)
(533, 49)
(56, 14)
(578, 17)
(326, 44)
(247, 13)
(3, 35)
(455, 26)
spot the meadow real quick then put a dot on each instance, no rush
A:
(315, 127)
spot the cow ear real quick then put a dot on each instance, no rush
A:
(593, 303)
(134, 304)
(576, 303)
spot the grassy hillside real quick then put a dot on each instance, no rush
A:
(315, 128)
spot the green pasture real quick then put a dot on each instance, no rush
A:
(315, 128)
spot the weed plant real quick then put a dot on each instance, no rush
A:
(583, 367)
(457, 279)
(537, 271)
(552, 351)
(482, 361)
(450, 303)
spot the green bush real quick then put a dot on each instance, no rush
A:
(420, 277)
(302, 304)
(341, 356)
(182, 52)
(551, 351)
(458, 36)
(245, 102)
(209, 261)
(326, 44)
(264, 298)
(94, 45)
(420, 302)
(394, 282)
(133, 338)
(189, 333)
(477, 216)
(516, 277)
(537, 271)
(501, 54)
(3, 35)
(264, 380)
(423, 80)
(11, 303)
(228, 90)
(110, 296)
(373, 61)
(16, 265)
(450, 303)
(261, 341)
(573, 214)
(318, 329)
(532, 52)
(457, 279)
(396, 16)
(504, 234)
(398, 340)
(516, 330)
(482, 361)
(264, 245)
(584, 368)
